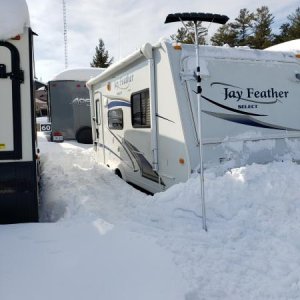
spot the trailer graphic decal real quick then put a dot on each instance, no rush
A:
(247, 120)
(115, 103)
(232, 109)
(81, 101)
(125, 149)
(144, 165)
(248, 94)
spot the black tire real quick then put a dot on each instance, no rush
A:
(84, 135)
(118, 173)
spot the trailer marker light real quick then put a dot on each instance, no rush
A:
(2, 146)
(108, 86)
(16, 38)
(177, 46)
(298, 55)
(57, 136)
(78, 85)
(181, 161)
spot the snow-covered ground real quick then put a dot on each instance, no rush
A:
(101, 239)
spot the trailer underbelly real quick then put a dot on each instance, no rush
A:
(18, 192)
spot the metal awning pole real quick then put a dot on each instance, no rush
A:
(199, 91)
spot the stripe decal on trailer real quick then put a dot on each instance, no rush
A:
(247, 120)
(116, 103)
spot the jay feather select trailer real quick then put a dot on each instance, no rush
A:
(144, 110)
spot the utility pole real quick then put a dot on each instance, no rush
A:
(65, 32)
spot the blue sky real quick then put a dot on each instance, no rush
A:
(124, 26)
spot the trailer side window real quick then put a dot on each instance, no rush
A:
(140, 109)
(115, 119)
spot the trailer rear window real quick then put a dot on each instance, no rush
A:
(115, 119)
(140, 109)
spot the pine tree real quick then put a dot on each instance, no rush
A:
(187, 35)
(283, 36)
(225, 35)
(243, 26)
(294, 29)
(235, 33)
(101, 58)
(262, 31)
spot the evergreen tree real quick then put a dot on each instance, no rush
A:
(101, 58)
(290, 30)
(262, 31)
(235, 33)
(225, 35)
(243, 26)
(283, 36)
(294, 29)
(187, 35)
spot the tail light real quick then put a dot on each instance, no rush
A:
(57, 137)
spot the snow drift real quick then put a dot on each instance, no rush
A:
(251, 249)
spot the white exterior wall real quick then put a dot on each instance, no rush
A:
(26, 100)
(171, 139)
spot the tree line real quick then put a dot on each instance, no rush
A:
(252, 29)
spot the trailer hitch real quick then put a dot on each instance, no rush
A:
(17, 75)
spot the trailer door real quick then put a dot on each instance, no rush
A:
(98, 125)
(10, 102)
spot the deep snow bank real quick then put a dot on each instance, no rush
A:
(251, 249)
(83, 260)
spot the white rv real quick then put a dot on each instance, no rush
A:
(18, 152)
(144, 110)
(69, 105)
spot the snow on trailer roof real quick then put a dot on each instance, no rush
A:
(237, 53)
(80, 74)
(290, 46)
(14, 18)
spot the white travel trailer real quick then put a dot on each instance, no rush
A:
(69, 105)
(18, 152)
(144, 110)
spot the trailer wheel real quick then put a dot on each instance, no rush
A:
(118, 173)
(84, 135)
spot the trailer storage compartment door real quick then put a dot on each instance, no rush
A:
(10, 102)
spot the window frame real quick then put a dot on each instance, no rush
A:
(147, 109)
(108, 118)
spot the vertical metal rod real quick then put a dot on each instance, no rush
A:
(154, 140)
(199, 91)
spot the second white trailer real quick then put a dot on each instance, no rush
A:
(19, 163)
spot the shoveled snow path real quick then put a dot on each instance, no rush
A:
(251, 250)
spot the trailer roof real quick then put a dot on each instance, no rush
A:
(14, 18)
(79, 74)
(241, 53)
(291, 46)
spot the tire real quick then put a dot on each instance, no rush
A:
(84, 135)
